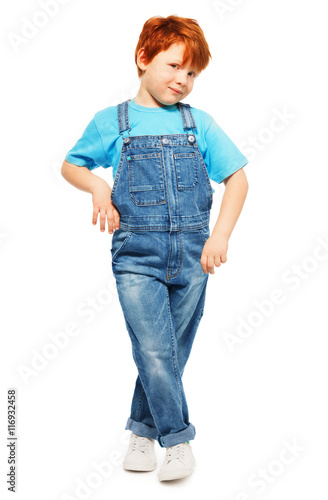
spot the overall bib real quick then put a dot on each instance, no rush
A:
(164, 196)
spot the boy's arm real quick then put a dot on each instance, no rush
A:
(215, 248)
(82, 178)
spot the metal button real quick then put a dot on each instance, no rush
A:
(191, 138)
(126, 140)
(165, 140)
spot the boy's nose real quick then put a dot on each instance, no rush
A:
(181, 80)
(180, 84)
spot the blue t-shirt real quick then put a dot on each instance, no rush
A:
(101, 144)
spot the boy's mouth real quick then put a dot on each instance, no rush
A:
(176, 90)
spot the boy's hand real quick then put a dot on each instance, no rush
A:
(214, 252)
(102, 204)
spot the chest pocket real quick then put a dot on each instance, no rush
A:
(146, 180)
(186, 166)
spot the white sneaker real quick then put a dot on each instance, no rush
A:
(140, 455)
(178, 463)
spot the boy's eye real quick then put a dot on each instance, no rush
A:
(191, 72)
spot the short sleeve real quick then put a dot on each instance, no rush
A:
(223, 158)
(89, 150)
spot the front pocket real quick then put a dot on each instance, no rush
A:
(186, 166)
(119, 240)
(146, 180)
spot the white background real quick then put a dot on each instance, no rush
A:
(247, 399)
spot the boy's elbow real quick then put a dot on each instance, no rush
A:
(66, 166)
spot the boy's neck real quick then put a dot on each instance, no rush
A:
(146, 100)
(148, 103)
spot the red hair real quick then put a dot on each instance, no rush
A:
(159, 33)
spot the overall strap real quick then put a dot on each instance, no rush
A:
(123, 116)
(187, 116)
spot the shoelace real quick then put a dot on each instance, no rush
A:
(174, 452)
(140, 443)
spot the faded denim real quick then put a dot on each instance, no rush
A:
(163, 194)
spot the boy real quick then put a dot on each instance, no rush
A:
(158, 213)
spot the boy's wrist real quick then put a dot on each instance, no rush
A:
(221, 233)
(97, 183)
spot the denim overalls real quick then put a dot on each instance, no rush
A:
(164, 196)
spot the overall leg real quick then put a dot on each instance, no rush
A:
(146, 307)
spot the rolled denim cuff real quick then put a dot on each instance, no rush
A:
(141, 429)
(177, 437)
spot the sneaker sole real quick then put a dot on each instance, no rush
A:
(139, 467)
(179, 474)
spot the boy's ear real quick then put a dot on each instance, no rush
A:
(141, 59)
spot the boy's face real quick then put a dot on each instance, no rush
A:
(165, 80)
